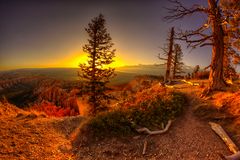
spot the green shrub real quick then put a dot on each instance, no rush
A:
(150, 113)
(110, 123)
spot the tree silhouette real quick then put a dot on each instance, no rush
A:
(95, 72)
(201, 37)
(177, 61)
(195, 71)
(168, 53)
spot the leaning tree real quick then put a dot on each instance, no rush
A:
(95, 72)
(201, 37)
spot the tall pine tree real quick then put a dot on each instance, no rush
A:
(96, 72)
(177, 61)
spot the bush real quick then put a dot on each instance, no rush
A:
(53, 111)
(202, 75)
(124, 121)
(109, 123)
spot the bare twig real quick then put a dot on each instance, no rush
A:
(194, 38)
(179, 11)
(144, 147)
(146, 130)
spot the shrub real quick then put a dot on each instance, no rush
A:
(202, 75)
(123, 121)
(54, 111)
(109, 123)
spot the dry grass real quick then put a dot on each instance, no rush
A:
(32, 135)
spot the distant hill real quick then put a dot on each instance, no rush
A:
(124, 74)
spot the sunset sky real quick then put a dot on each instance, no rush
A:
(50, 33)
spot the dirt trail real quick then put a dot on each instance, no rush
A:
(24, 137)
(188, 138)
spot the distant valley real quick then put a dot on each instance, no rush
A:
(123, 74)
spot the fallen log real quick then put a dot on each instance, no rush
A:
(191, 83)
(232, 147)
(146, 130)
(220, 131)
(235, 156)
(168, 86)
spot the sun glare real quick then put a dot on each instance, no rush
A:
(83, 58)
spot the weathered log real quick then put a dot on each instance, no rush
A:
(191, 83)
(146, 130)
(220, 131)
(168, 86)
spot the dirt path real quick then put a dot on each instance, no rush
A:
(188, 138)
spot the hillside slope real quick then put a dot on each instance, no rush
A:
(26, 135)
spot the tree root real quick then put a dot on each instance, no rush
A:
(146, 130)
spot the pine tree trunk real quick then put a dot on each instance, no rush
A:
(216, 80)
(170, 52)
(93, 87)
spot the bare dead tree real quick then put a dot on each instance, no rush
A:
(200, 37)
(168, 53)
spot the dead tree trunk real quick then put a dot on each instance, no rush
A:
(169, 55)
(216, 80)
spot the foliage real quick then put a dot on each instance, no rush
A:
(177, 61)
(54, 111)
(202, 75)
(147, 113)
(196, 69)
(231, 12)
(95, 71)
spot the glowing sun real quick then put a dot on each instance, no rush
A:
(83, 58)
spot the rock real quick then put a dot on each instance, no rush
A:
(65, 148)
(20, 115)
(42, 116)
(31, 116)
